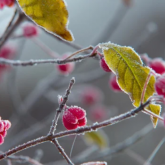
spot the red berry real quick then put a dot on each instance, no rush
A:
(1, 139)
(98, 113)
(65, 69)
(4, 133)
(30, 30)
(157, 64)
(1, 126)
(113, 83)
(9, 3)
(160, 85)
(7, 51)
(104, 65)
(7, 124)
(1, 5)
(74, 117)
(4, 126)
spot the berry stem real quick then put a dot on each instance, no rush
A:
(145, 87)
(79, 51)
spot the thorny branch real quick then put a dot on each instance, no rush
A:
(78, 131)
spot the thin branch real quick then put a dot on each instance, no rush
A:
(11, 21)
(24, 159)
(61, 107)
(43, 61)
(120, 147)
(10, 30)
(77, 131)
(151, 157)
(61, 150)
(135, 156)
(79, 51)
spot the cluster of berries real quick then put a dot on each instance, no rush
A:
(4, 126)
(8, 3)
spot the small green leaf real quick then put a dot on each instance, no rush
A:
(131, 74)
(97, 137)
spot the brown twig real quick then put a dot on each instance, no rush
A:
(43, 61)
(61, 150)
(77, 131)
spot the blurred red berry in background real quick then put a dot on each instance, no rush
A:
(98, 113)
(91, 95)
(65, 69)
(30, 30)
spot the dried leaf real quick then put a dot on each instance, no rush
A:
(97, 137)
(95, 163)
(131, 74)
(52, 15)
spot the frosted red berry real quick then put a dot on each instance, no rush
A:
(160, 85)
(67, 68)
(104, 65)
(91, 95)
(30, 30)
(74, 117)
(113, 83)
(158, 65)
(4, 126)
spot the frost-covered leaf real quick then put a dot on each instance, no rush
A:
(52, 15)
(94, 163)
(131, 74)
(97, 137)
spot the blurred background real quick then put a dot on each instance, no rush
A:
(28, 95)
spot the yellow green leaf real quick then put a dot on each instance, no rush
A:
(97, 137)
(131, 74)
(52, 15)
